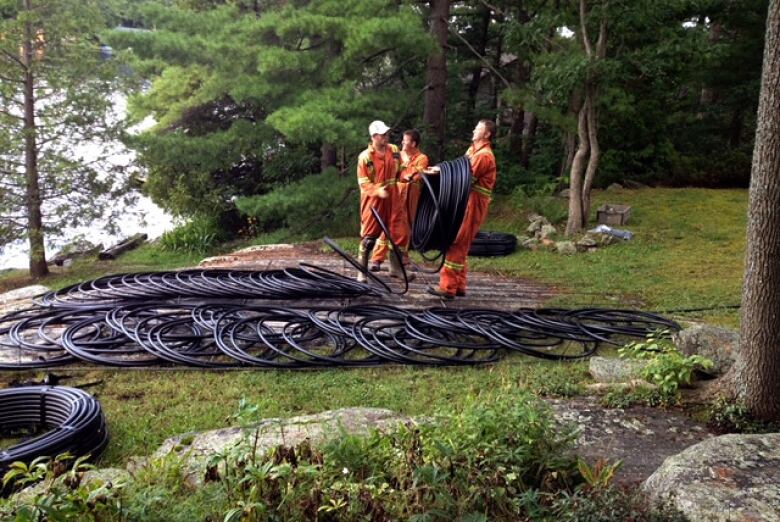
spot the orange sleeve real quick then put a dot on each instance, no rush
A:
(367, 187)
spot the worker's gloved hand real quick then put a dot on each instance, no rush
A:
(382, 192)
(432, 170)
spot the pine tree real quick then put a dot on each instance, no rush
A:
(247, 96)
(56, 97)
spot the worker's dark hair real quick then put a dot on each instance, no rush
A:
(415, 135)
(490, 125)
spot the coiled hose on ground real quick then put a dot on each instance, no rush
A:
(71, 420)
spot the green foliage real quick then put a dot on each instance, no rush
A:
(199, 235)
(610, 504)
(667, 368)
(639, 395)
(542, 202)
(733, 417)
(314, 206)
(600, 474)
(62, 495)
(245, 95)
(476, 461)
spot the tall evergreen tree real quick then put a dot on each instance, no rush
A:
(245, 96)
(56, 100)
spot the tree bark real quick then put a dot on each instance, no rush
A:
(569, 148)
(436, 76)
(593, 122)
(529, 135)
(328, 156)
(758, 361)
(38, 267)
(574, 221)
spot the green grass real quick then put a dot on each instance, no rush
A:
(688, 252)
(145, 407)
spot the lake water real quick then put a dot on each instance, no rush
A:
(142, 216)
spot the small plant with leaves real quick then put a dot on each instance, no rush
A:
(600, 474)
(667, 368)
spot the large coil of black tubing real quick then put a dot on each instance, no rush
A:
(441, 208)
(71, 420)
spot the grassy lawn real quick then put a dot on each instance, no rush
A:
(687, 253)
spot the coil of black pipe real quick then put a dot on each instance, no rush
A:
(72, 422)
(441, 208)
(223, 333)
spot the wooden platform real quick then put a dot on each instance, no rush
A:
(484, 290)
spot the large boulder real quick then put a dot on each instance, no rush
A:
(732, 477)
(22, 294)
(196, 449)
(719, 344)
(610, 369)
(641, 436)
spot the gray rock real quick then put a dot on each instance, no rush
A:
(641, 436)
(537, 217)
(546, 231)
(532, 243)
(534, 227)
(564, 194)
(196, 449)
(732, 477)
(567, 248)
(20, 294)
(615, 186)
(586, 243)
(610, 369)
(719, 344)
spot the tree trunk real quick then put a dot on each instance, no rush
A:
(758, 362)
(38, 266)
(328, 156)
(707, 95)
(569, 148)
(516, 132)
(574, 221)
(528, 139)
(436, 77)
(595, 155)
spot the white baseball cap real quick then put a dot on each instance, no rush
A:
(377, 127)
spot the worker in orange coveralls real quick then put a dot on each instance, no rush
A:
(413, 162)
(452, 278)
(377, 172)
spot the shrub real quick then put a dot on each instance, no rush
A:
(542, 202)
(196, 236)
(321, 204)
(734, 417)
(667, 368)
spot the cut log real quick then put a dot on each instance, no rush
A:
(120, 248)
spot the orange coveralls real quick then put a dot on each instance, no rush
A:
(452, 278)
(374, 171)
(404, 207)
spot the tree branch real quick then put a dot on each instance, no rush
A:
(584, 30)
(482, 58)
